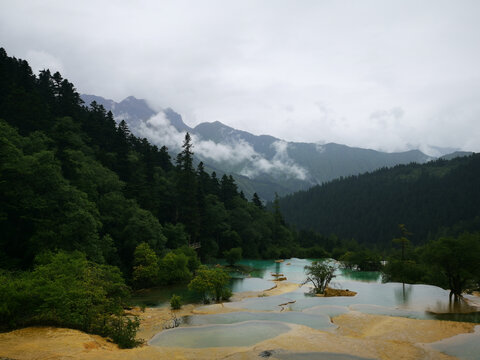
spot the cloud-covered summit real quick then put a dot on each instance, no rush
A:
(232, 153)
(270, 164)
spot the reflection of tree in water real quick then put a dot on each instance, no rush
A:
(403, 294)
(455, 305)
(364, 276)
(277, 267)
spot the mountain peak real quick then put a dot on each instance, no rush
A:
(130, 109)
(176, 120)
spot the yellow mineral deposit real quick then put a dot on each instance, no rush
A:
(364, 335)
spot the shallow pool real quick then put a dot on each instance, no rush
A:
(394, 299)
(315, 321)
(463, 346)
(240, 334)
(274, 313)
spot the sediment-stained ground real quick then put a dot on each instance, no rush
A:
(359, 334)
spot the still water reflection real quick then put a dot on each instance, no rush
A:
(240, 334)
(394, 299)
(246, 327)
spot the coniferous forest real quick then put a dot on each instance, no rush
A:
(433, 199)
(88, 212)
(82, 196)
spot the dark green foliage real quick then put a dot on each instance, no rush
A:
(408, 271)
(233, 255)
(457, 259)
(73, 179)
(369, 207)
(448, 262)
(363, 260)
(65, 289)
(187, 188)
(175, 302)
(174, 268)
(256, 201)
(193, 262)
(176, 235)
(211, 284)
(145, 267)
(122, 331)
(40, 209)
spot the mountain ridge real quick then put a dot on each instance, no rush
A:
(258, 159)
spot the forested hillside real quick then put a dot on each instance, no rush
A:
(71, 179)
(426, 198)
(263, 164)
(87, 208)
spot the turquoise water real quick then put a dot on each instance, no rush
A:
(244, 328)
(394, 299)
(240, 334)
(160, 296)
(249, 284)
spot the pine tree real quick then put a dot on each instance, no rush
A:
(256, 201)
(187, 205)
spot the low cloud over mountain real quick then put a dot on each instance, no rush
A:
(263, 163)
(234, 152)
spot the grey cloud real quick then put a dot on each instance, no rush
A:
(247, 63)
(237, 152)
(281, 164)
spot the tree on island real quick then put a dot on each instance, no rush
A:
(319, 274)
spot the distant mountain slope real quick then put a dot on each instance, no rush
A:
(456, 154)
(132, 110)
(262, 163)
(369, 207)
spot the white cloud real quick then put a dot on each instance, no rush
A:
(237, 152)
(280, 165)
(265, 66)
(159, 130)
(40, 60)
(234, 153)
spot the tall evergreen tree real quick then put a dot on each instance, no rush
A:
(187, 203)
(256, 201)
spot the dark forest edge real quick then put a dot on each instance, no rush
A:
(89, 211)
(439, 198)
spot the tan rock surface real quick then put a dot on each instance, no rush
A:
(373, 336)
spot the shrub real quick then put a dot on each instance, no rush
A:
(122, 331)
(65, 289)
(175, 302)
(211, 283)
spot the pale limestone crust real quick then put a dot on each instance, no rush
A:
(370, 336)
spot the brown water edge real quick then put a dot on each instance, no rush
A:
(364, 335)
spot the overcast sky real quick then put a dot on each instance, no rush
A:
(388, 75)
